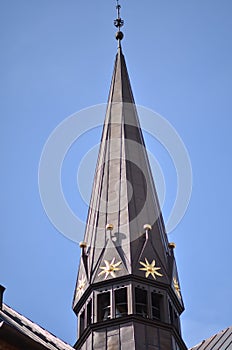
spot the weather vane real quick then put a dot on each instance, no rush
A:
(118, 22)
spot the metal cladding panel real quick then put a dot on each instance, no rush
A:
(113, 342)
(112, 331)
(147, 337)
(133, 335)
(99, 340)
(113, 338)
(127, 333)
(228, 344)
(129, 345)
(152, 336)
(140, 336)
(89, 342)
(219, 341)
(165, 340)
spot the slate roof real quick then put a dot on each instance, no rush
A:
(13, 319)
(219, 341)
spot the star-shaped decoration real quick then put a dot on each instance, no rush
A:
(150, 269)
(176, 287)
(81, 285)
(109, 268)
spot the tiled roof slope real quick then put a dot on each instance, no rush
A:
(10, 317)
(219, 341)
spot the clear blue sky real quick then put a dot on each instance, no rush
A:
(57, 58)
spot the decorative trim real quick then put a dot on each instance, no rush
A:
(109, 268)
(150, 269)
(81, 286)
(176, 287)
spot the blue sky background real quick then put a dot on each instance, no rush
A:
(57, 58)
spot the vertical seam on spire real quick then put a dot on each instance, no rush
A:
(120, 172)
(96, 213)
(109, 133)
(122, 61)
(120, 176)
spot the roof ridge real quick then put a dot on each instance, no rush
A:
(210, 339)
(24, 322)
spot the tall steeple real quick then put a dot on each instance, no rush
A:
(127, 292)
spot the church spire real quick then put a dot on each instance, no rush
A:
(127, 291)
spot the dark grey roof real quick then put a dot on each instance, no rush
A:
(123, 195)
(10, 317)
(219, 341)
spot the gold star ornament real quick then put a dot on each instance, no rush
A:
(81, 286)
(150, 269)
(176, 287)
(109, 268)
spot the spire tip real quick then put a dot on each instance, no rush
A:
(118, 22)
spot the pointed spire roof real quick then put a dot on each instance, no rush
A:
(126, 258)
(123, 196)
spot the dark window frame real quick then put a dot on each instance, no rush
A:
(141, 302)
(89, 313)
(82, 322)
(121, 301)
(174, 316)
(103, 306)
(156, 306)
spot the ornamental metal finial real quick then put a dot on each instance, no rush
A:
(118, 22)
